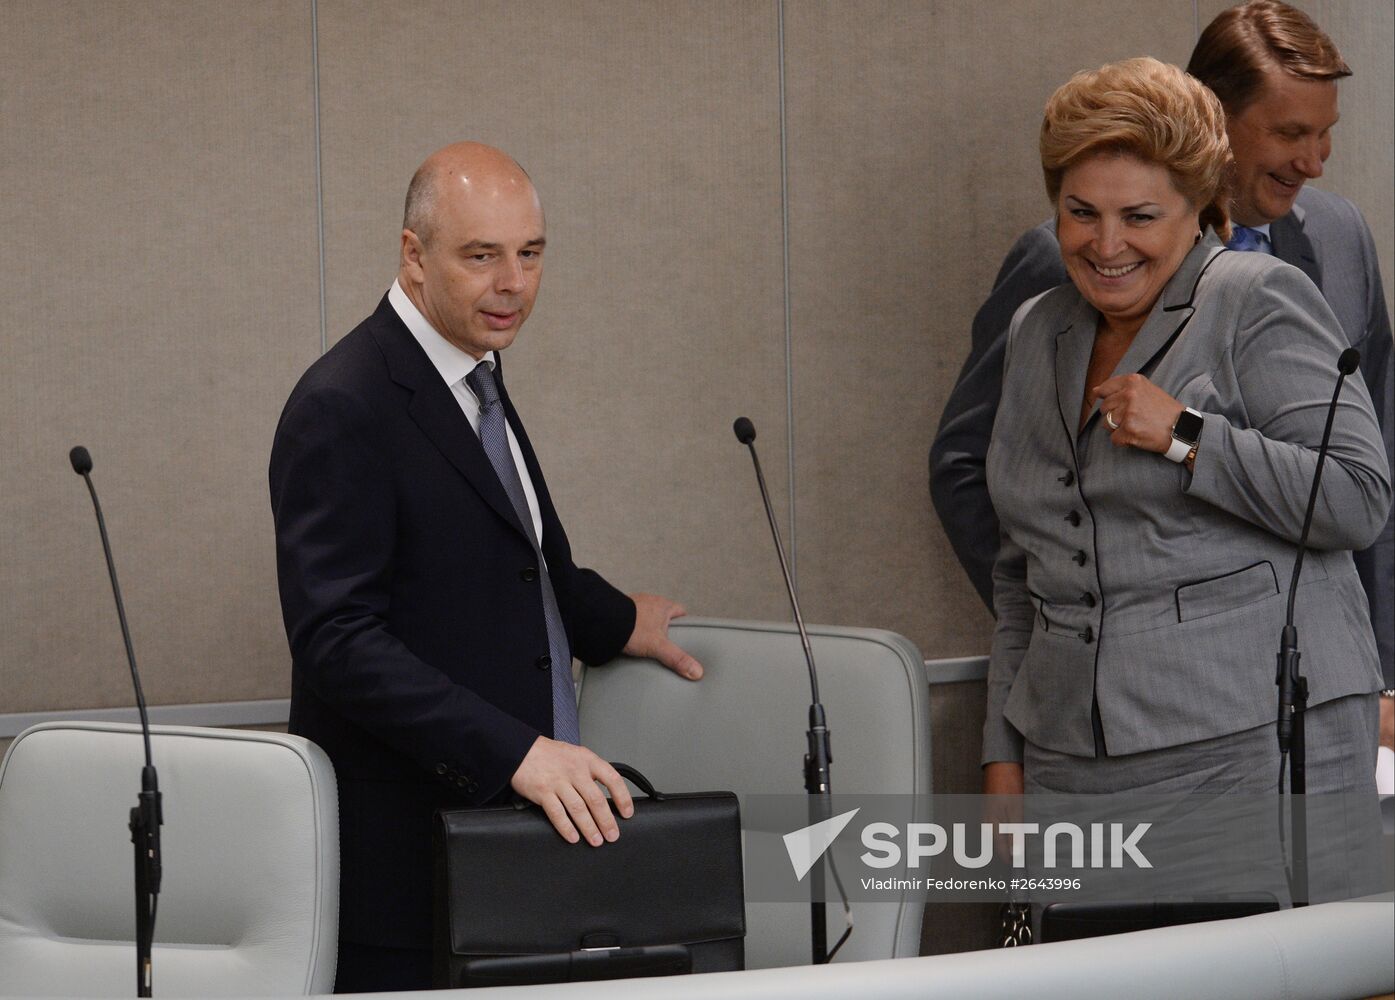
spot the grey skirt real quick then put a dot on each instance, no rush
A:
(1344, 819)
(1341, 734)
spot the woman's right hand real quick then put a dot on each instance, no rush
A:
(1002, 780)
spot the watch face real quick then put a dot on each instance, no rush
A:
(1188, 427)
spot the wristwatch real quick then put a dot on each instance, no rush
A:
(1186, 433)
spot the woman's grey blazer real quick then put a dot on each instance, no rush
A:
(1157, 593)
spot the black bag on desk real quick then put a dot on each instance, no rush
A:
(515, 903)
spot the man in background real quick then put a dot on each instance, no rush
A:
(428, 589)
(1276, 72)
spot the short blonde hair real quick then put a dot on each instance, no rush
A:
(1150, 110)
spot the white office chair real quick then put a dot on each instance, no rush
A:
(742, 729)
(250, 899)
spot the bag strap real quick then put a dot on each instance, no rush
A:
(638, 780)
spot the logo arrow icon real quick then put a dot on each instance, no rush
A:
(807, 845)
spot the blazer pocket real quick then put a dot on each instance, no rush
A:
(1226, 592)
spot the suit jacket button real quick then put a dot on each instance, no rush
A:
(471, 787)
(1079, 557)
(529, 575)
(1088, 636)
(441, 769)
(1074, 518)
(1068, 479)
(460, 782)
(543, 662)
(1088, 599)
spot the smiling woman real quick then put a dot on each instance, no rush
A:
(1135, 157)
(1166, 407)
(1124, 229)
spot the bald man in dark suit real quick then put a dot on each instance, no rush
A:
(428, 588)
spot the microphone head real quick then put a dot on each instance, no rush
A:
(745, 430)
(1348, 360)
(82, 461)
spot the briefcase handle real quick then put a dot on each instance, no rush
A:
(638, 780)
(626, 771)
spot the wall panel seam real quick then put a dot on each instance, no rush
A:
(319, 171)
(789, 326)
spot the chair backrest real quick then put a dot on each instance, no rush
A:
(250, 897)
(742, 729)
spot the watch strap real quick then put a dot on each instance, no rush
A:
(1177, 451)
(1182, 447)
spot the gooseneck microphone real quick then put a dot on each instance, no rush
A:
(817, 761)
(1288, 675)
(146, 816)
(746, 434)
(1293, 686)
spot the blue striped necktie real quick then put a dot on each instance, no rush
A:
(494, 436)
(1244, 238)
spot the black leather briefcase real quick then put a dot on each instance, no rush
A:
(515, 903)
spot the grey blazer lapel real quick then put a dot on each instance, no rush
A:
(1073, 346)
(1292, 245)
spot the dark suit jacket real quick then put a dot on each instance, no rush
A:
(1324, 236)
(414, 611)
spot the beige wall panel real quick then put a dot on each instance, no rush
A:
(1362, 165)
(159, 266)
(912, 131)
(652, 132)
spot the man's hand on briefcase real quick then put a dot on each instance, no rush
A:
(561, 778)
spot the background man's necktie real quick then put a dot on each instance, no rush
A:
(1245, 238)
